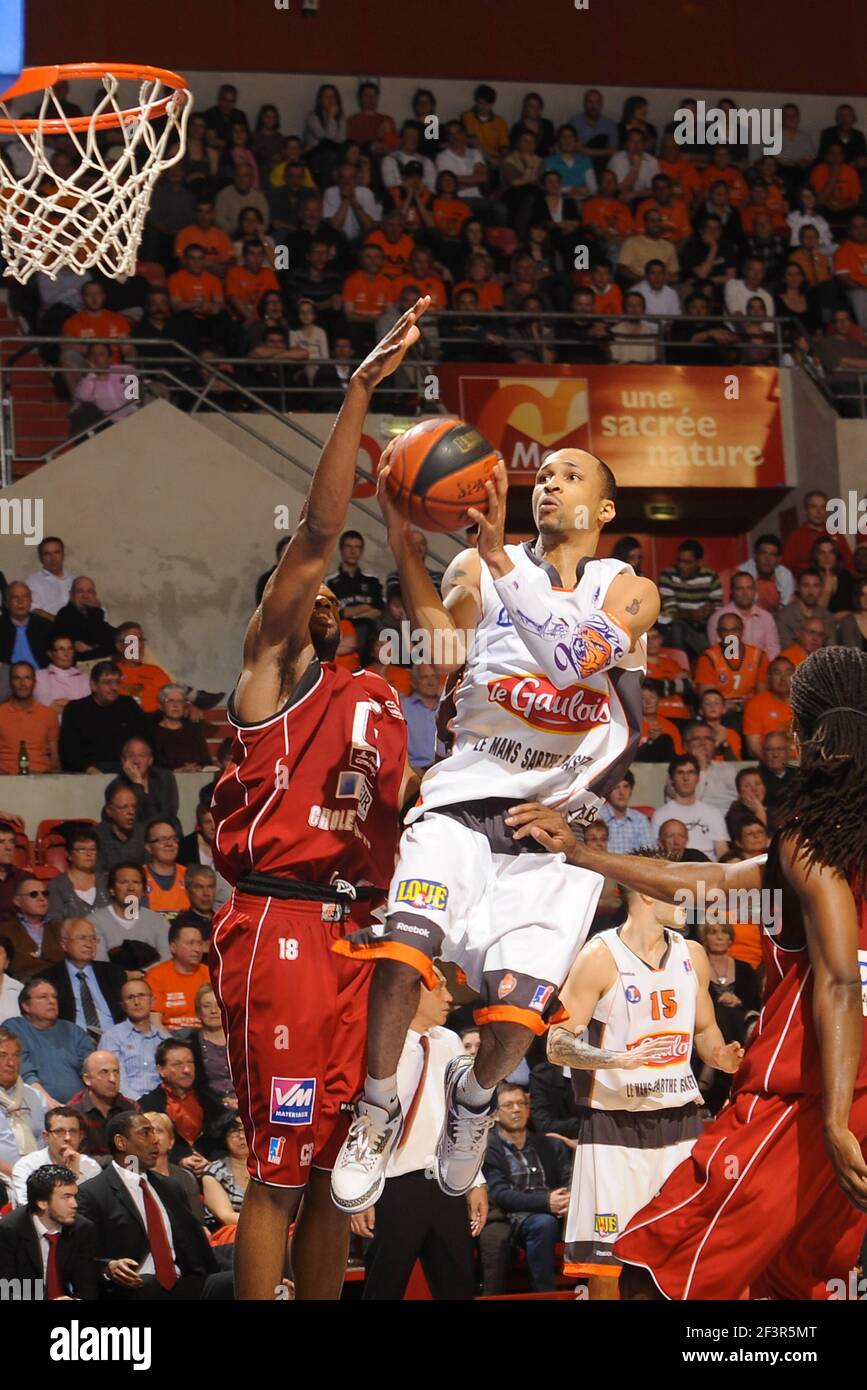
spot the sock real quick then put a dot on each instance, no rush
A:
(382, 1093)
(468, 1091)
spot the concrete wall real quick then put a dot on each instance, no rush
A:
(67, 796)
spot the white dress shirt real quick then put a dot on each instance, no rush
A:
(351, 228)
(88, 1168)
(44, 1246)
(462, 166)
(394, 164)
(9, 992)
(620, 164)
(664, 301)
(737, 296)
(133, 1182)
(420, 1146)
(50, 591)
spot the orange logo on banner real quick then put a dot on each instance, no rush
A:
(654, 426)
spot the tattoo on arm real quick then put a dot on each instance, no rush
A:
(573, 1050)
(633, 607)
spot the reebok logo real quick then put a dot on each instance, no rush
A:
(77, 1343)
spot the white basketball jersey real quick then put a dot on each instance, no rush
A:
(643, 1003)
(516, 735)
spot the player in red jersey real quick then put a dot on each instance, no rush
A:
(763, 1207)
(307, 816)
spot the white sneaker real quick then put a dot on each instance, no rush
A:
(359, 1173)
(463, 1137)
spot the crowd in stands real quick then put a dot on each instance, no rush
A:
(280, 258)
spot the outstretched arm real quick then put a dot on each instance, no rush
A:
(566, 652)
(278, 631)
(657, 878)
(831, 925)
(592, 975)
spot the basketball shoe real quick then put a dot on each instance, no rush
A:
(358, 1176)
(463, 1137)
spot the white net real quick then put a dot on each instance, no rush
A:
(90, 210)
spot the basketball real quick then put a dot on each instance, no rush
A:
(438, 469)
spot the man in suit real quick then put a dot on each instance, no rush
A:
(47, 1241)
(189, 1103)
(23, 635)
(35, 939)
(148, 1242)
(88, 990)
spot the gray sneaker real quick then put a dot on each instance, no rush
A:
(463, 1137)
(359, 1173)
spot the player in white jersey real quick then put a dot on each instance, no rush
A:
(637, 1001)
(548, 707)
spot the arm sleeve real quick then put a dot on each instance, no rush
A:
(565, 653)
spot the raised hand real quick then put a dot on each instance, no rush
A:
(389, 352)
(492, 526)
(544, 824)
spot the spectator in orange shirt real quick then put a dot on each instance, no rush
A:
(92, 321)
(670, 675)
(606, 215)
(712, 707)
(770, 712)
(421, 273)
(488, 291)
(449, 214)
(660, 739)
(676, 226)
(366, 293)
(721, 169)
(413, 198)
(394, 243)
(759, 201)
(174, 982)
(815, 265)
(731, 666)
(811, 636)
(203, 231)
(608, 295)
(850, 266)
(140, 679)
(836, 183)
(164, 876)
(23, 721)
(368, 125)
(487, 132)
(245, 284)
(685, 178)
(197, 297)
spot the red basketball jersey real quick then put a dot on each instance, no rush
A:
(782, 1058)
(313, 793)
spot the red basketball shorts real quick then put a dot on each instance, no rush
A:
(755, 1211)
(295, 1016)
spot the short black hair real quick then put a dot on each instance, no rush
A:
(177, 927)
(42, 1182)
(768, 539)
(682, 760)
(351, 536)
(748, 820)
(808, 573)
(65, 1112)
(627, 776)
(167, 1046)
(80, 834)
(608, 482)
(125, 864)
(121, 1124)
(485, 93)
(693, 547)
(744, 772)
(104, 668)
(48, 540)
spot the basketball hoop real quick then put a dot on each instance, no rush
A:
(94, 215)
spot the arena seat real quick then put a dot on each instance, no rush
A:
(24, 852)
(53, 855)
(46, 834)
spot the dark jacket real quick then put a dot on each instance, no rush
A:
(39, 633)
(212, 1108)
(86, 625)
(498, 1175)
(109, 977)
(121, 1234)
(160, 801)
(21, 1257)
(91, 734)
(552, 1104)
(27, 961)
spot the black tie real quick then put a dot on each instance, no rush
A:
(91, 1017)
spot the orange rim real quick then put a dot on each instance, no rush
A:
(37, 79)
